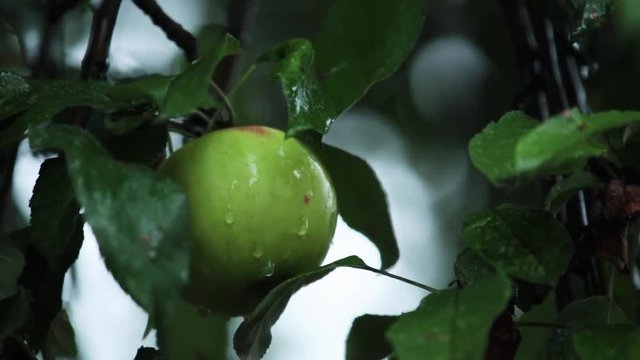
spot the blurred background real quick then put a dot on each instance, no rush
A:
(412, 128)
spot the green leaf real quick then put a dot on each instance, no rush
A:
(533, 338)
(569, 138)
(596, 310)
(61, 341)
(530, 245)
(566, 188)
(53, 96)
(16, 94)
(469, 266)
(54, 212)
(14, 312)
(148, 89)
(308, 106)
(452, 324)
(362, 202)
(11, 265)
(191, 334)
(619, 342)
(144, 145)
(139, 217)
(191, 88)
(253, 337)
(358, 45)
(367, 340)
(492, 150)
(45, 281)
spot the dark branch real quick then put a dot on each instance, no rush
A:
(174, 31)
(94, 64)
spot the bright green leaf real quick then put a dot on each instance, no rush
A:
(597, 342)
(452, 324)
(188, 333)
(16, 94)
(307, 104)
(191, 88)
(566, 188)
(358, 45)
(530, 245)
(366, 340)
(11, 265)
(138, 216)
(569, 138)
(362, 202)
(152, 88)
(492, 151)
(253, 337)
(596, 310)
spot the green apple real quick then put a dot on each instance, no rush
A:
(262, 209)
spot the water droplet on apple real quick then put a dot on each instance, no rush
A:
(304, 227)
(228, 218)
(296, 173)
(281, 151)
(269, 268)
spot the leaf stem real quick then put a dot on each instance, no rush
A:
(400, 278)
(247, 73)
(227, 105)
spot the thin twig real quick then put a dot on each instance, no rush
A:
(174, 31)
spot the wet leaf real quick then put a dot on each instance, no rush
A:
(54, 212)
(596, 310)
(566, 188)
(139, 217)
(366, 340)
(358, 45)
(307, 104)
(191, 334)
(530, 245)
(191, 88)
(358, 189)
(16, 94)
(53, 96)
(568, 138)
(452, 324)
(492, 150)
(253, 337)
(533, 343)
(469, 266)
(619, 341)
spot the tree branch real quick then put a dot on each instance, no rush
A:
(174, 31)
(94, 63)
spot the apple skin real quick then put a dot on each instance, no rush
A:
(262, 209)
